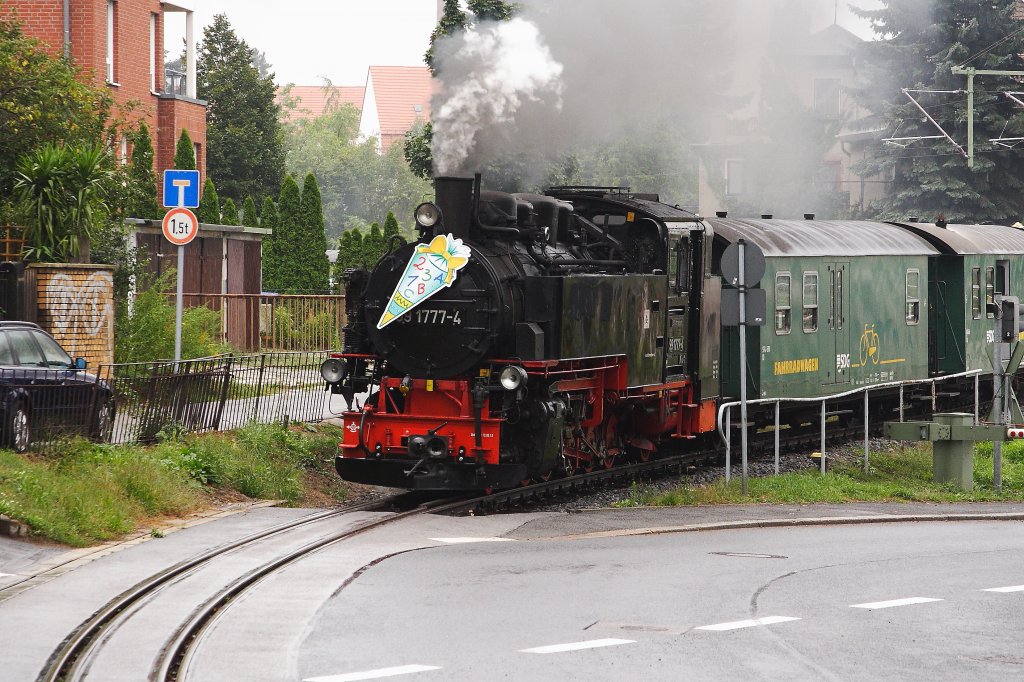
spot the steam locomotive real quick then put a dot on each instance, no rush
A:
(530, 335)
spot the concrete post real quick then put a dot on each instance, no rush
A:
(953, 460)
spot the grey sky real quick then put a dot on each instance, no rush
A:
(307, 40)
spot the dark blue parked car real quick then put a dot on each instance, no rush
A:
(44, 393)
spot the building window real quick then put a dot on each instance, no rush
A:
(990, 293)
(111, 41)
(827, 98)
(976, 293)
(810, 302)
(734, 177)
(913, 296)
(198, 150)
(783, 303)
(124, 151)
(154, 23)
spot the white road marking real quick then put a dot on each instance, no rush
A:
(893, 602)
(460, 541)
(374, 674)
(576, 646)
(737, 624)
(1012, 588)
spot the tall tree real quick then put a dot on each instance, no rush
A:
(244, 139)
(314, 269)
(249, 216)
(142, 200)
(281, 259)
(185, 152)
(229, 214)
(209, 204)
(268, 221)
(919, 42)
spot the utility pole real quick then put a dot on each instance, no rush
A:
(971, 73)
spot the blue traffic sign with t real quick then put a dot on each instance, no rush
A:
(181, 188)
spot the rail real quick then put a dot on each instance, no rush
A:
(725, 409)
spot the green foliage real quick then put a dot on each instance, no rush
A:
(145, 333)
(452, 19)
(65, 190)
(86, 493)
(390, 227)
(416, 149)
(185, 152)
(209, 204)
(229, 214)
(281, 250)
(42, 100)
(245, 142)
(313, 268)
(355, 180)
(141, 182)
(917, 46)
(249, 215)
(109, 245)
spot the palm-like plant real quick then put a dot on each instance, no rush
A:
(64, 190)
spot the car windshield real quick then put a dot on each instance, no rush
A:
(6, 358)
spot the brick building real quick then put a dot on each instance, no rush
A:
(119, 45)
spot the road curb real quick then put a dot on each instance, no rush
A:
(786, 523)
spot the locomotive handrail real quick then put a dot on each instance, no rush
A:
(889, 384)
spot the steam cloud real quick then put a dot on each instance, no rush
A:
(500, 65)
(669, 76)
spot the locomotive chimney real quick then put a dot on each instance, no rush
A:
(766, 216)
(454, 196)
(808, 216)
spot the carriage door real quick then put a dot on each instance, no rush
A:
(838, 321)
(682, 255)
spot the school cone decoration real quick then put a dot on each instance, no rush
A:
(432, 267)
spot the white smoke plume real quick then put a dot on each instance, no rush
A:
(497, 67)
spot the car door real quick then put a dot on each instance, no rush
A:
(38, 382)
(72, 393)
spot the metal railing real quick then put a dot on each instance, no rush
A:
(154, 399)
(725, 410)
(273, 322)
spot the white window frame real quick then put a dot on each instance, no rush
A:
(913, 303)
(810, 279)
(111, 10)
(784, 312)
(153, 19)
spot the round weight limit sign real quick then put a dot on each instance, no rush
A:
(180, 226)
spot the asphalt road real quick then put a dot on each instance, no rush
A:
(906, 601)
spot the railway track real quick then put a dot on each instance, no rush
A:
(70, 661)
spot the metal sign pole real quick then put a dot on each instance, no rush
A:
(742, 286)
(179, 304)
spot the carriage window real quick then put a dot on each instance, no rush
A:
(913, 296)
(976, 293)
(810, 301)
(840, 316)
(1002, 277)
(783, 300)
(682, 266)
(990, 292)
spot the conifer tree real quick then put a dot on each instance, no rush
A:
(185, 152)
(280, 261)
(229, 214)
(373, 246)
(209, 204)
(314, 267)
(142, 200)
(268, 221)
(390, 227)
(245, 141)
(918, 45)
(249, 216)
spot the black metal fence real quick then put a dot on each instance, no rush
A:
(142, 402)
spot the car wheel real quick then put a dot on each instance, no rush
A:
(103, 421)
(19, 434)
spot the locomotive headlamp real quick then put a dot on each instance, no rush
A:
(332, 370)
(512, 377)
(427, 214)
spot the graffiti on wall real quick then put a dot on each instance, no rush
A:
(78, 309)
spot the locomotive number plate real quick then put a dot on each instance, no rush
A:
(433, 316)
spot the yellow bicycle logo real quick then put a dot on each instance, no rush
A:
(869, 346)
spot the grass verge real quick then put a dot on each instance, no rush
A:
(901, 475)
(80, 493)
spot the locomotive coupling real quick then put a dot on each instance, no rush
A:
(429, 445)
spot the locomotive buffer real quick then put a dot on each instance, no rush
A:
(742, 267)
